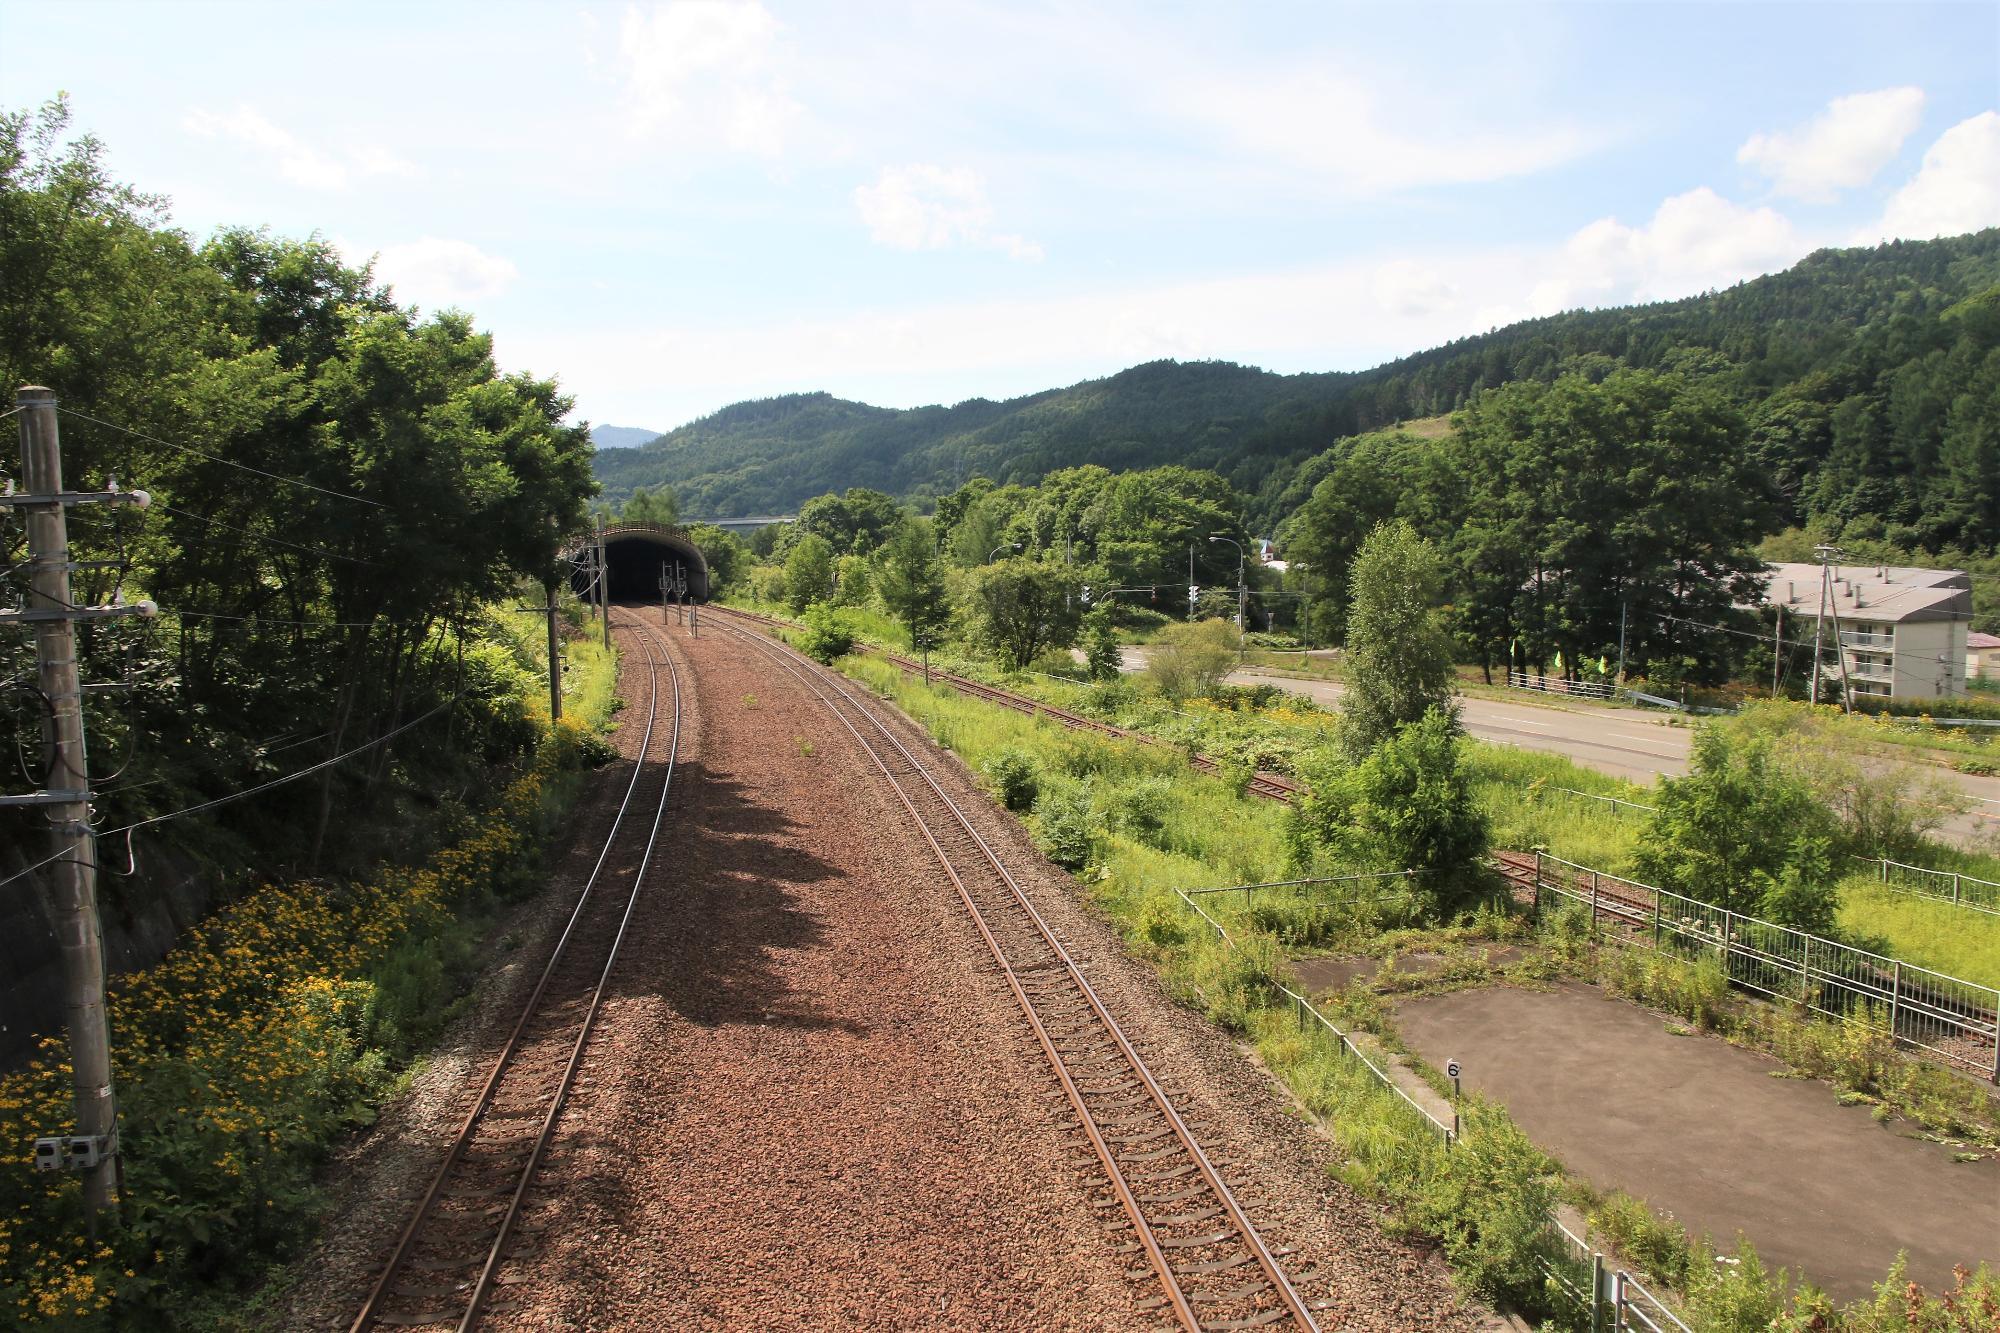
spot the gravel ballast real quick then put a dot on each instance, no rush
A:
(811, 1102)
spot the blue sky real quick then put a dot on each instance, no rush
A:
(674, 206)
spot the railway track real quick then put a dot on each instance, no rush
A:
(1270, 786)
(451, 1255)
(1187, 1231)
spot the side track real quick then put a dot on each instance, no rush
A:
(1271, 786)
(1214, 1270)
(443, 1269)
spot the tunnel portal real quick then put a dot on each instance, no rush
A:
(637, 553)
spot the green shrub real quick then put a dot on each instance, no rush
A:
(1066, 826)
(1163, 923)
(1015, 777)
(828, 633)
(1142, 808)
(1490, 1202)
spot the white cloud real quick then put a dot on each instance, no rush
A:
(924, 207)
(1956, 190)
(434, 272)
(1405, 287)
(1348, 315)
(1841, 148)
(1696, 241)
(1332, 124)
(707, 73)
(298, 162)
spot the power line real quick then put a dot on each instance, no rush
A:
(226, 462)
(246, 793)
(1741, 633)
(258, 536)
(309, 624)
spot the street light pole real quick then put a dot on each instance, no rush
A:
(1003, 546)
(1242, 593)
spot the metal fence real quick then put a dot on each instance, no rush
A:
(1948, 886)
(1609, 1302)
(1618, 804)
(1943, 1018)
(1603, 1300)
(1581, 689)
(1312, 1020)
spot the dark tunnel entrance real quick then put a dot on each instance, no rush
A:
(638, 554)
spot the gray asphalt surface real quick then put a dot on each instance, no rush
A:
(1698, 1127)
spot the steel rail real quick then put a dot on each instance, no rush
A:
(1271, 786)
(1246, 1232)
(372, 1308)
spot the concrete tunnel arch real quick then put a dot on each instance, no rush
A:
(635, 553)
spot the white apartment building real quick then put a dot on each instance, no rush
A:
(1902, 631)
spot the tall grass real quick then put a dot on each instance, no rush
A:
(1938, 935)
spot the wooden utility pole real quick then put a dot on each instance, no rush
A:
(1819, 625)
(603, 582)
(1826, 555)
(93, 1149)
(1777, 650)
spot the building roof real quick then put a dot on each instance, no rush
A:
(1977, 640)
(1892, 594)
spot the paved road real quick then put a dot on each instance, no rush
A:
(1624, 742)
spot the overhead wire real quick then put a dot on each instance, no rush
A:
(127, 830)
(258, 536)
(226, 462)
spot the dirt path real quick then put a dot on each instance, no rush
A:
(1701, 1129)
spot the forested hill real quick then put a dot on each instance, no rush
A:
(769, 456)
(1850, 342)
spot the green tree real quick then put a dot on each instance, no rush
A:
(1728, 828)
(1398, 665)
(1019, 609)
(977, 532)
(1190, 659)
(1101, 653)
(808, 572)
(853, 523)
(1409, 805)
(1805, 893)
(727, 554)
(910, 577)
(655, 505)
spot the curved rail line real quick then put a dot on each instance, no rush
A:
(445, 1264)
(1271, 786)
(1195, 1236)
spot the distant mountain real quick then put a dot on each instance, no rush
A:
(1855, 346)
(621, 437)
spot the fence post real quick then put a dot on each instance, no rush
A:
(1596, 1292)
(1618, 1299)
(1656, 920)
(1895, 997)
(1593, 904)
(1885, 869)
(1956, 880)
(1805, 972)
(1723, 940)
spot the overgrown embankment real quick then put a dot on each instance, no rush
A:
(1135, 823)
(277, 1025)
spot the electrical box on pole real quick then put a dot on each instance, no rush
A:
(93, 1149)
